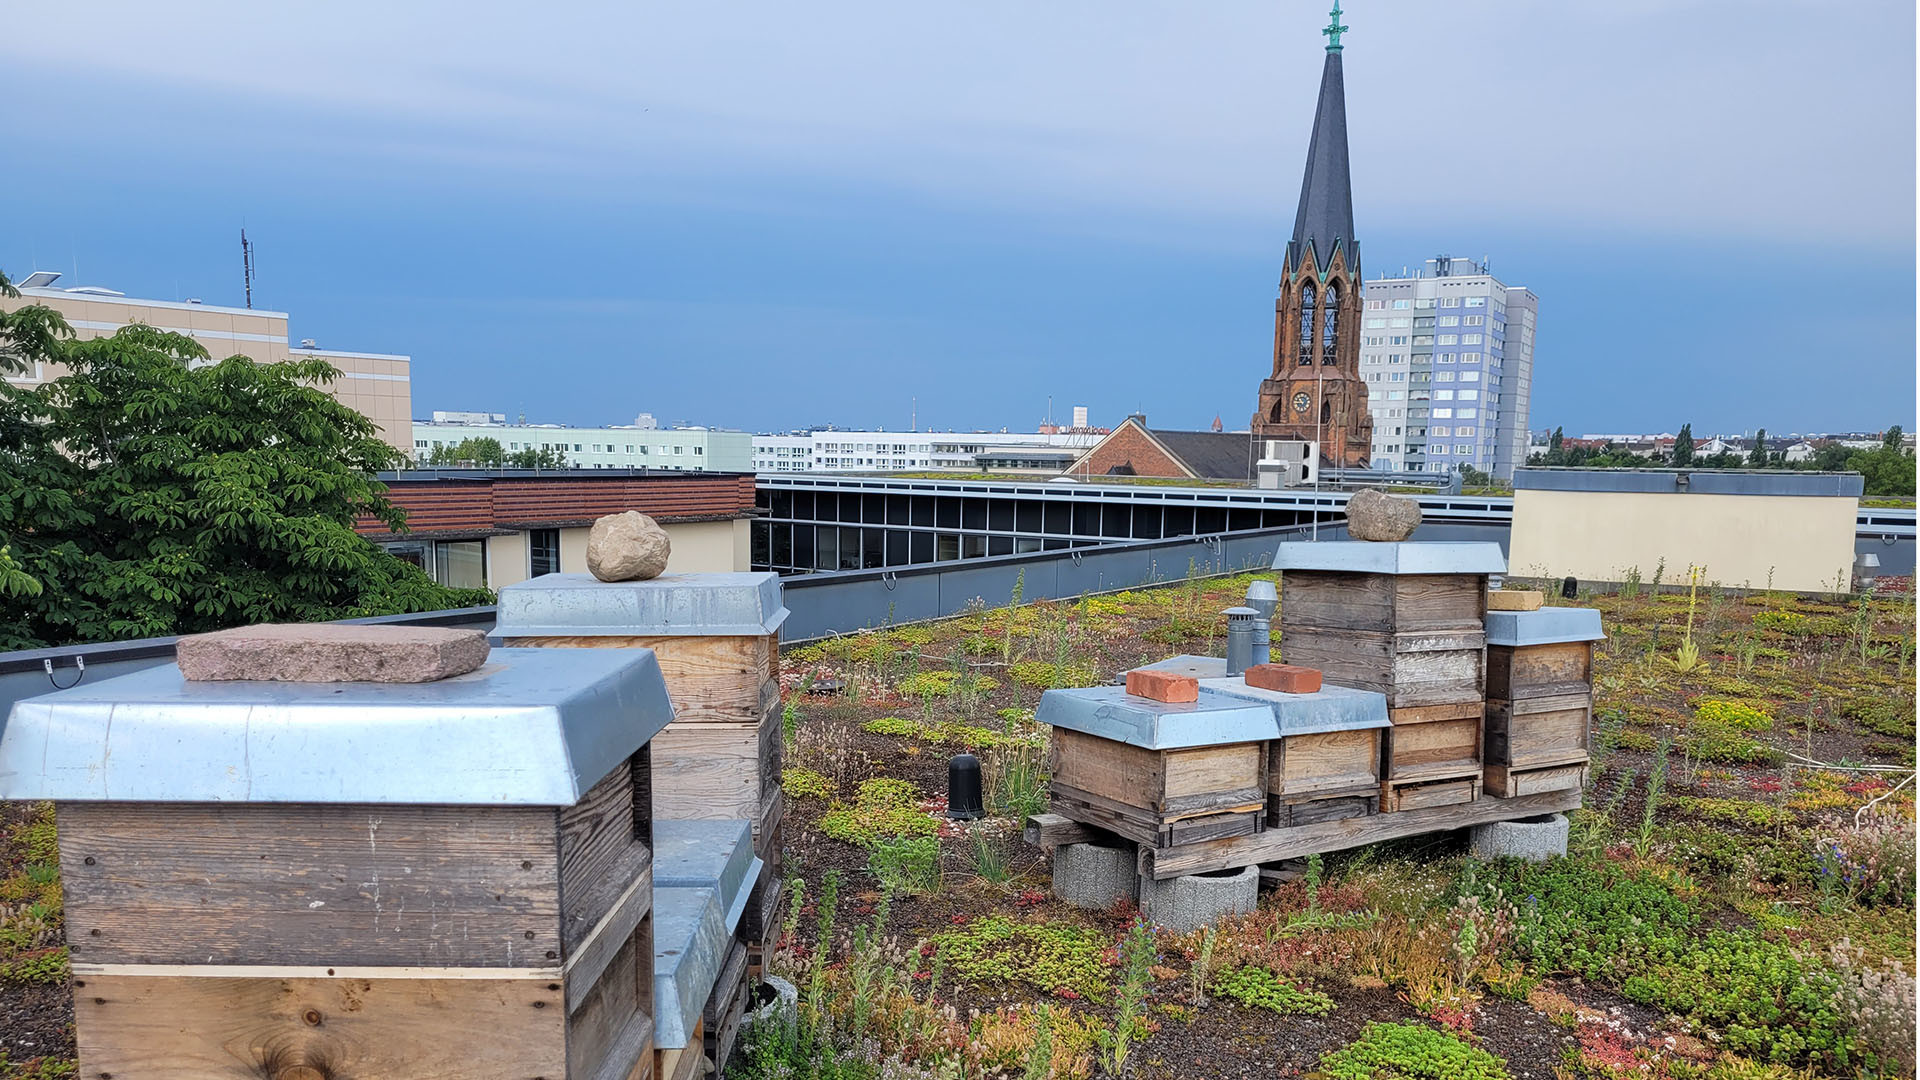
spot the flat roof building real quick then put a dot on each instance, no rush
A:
(376, 385)
(621, 446)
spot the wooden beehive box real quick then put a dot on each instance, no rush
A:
(1539, 699)
(290, 881)
(1324, 762)
(717, 637)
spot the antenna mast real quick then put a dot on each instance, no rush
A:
(246, 264)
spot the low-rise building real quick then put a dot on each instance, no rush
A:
(904, 451)
(376, 385)
(622, 446)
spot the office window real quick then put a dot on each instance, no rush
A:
(1443, 414)
(1466, 431)
(1477, 320)
(1469, 376)
(1376, 324)
(1469, 395)
(1398, 324)
(460, 564)
(1442, 431)
(1472, 339)
(1444, 376)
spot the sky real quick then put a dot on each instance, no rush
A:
(768, 215)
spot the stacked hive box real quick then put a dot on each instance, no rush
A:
(717, 640)
(296, 881)
(1406, 620)
(1539, 699)
(1168, 775)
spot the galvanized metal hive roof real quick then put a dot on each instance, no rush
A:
(1406, 557)
(581, 605)
(1228, 711)
(1546, 626)
(534, 727)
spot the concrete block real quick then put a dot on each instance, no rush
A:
(1094, 875)
(1284, 678)
(1163, 686)
(1185, 904)
(329, 653)
(1534, 839)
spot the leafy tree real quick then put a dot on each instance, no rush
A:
(32, 333)
(481, 451)
(1559, 437)
(1758, 458)
(149, 492)
(542, 458)
(1683, 447)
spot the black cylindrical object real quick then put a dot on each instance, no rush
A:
(1570, 588)
(963, 788)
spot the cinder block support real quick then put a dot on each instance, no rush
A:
(1094, 875)
(1185, 904)
(1534, 839)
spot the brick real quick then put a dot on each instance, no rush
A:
(1515, 600)
(1285, 678)
(1163, 686)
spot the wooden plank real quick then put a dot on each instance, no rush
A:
(1073, 803)
(1273, 845)
(187, 1028)
(595, 834)
(1127, 774)
(1415, 747)
(1433, 794)
(1218, 826)
(1505, 783)
(1421, 714)
(682, 1063)
(710, 679)
(761, 922)
(1287, 815)
(1425, 668)
(634, 1047)
(1515, 672)
(727, 1007)
(603, 942)
(712, 771)
(1323, 761)
(1439, 602)
(1049, 831)
(1208, 770)
(1315, 598)
(209, 883)
(1522, 739)
(597, 1028)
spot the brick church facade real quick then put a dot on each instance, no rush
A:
(1315, 392)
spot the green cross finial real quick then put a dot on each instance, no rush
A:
(1334, 30)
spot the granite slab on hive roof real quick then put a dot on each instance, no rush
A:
(533, 727)
(671, 605)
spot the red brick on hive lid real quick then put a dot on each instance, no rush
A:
(1162, 686)
(1284, 678)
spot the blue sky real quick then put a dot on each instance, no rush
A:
(767, 215)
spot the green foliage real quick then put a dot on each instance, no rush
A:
(906, 864)
(1259, 988)
(942, 683)
(995, 950)
(1594, 920)
(489, 453)
(1881, 717)
(1768, 1002)
(1136, 962)
(1790, 623)
(30, 334)
(884, 807)
(800, 782)
(1041, 675)
(1744, 812)
(1410, 1052)
(37, 1068)
(1710, 739)
(147, 492)
(1733, 714)
(890, 725)
(48, 965)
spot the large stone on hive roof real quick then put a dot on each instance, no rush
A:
(330, 652)
(627, 547)
(1375, 515)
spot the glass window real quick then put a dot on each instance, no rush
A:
(1376, 305)
(1444, 376)
(1423, 303)
(1376, 324)
(1470, 358)
(1469, 395)
(1398, 323)
(543, 552)
(1465, 431)
(1474, 320)
(1440, 432)
(1472, 339)
(1400, 305)
(1476, 301)
(1468, 414)
(1450, 301)
(460, 564)
(1443, 414)
(1449, 320)
(1468, 376)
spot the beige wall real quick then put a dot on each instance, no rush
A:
(698, 547)
(1804, 542)
(377, 386)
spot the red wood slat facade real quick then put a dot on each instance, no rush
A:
(468, 505)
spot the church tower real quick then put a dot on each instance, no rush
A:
(1316, 393)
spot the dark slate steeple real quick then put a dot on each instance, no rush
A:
(1326, 196)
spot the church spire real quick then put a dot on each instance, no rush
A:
(1325, 217)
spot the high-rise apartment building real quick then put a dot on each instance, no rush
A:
(1447, 355)
(377, 385)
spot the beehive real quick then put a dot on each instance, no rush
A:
(1324, 764)
(1539, 699)
(290, 881)
(1406, 620)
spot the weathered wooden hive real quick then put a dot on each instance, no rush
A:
(717, 638)
(1406, 620)
(355, 880)
(1539, 699)
(1232, 762)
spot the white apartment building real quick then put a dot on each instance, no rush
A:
(903, 451)
(1447, 354)
(622, 446)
